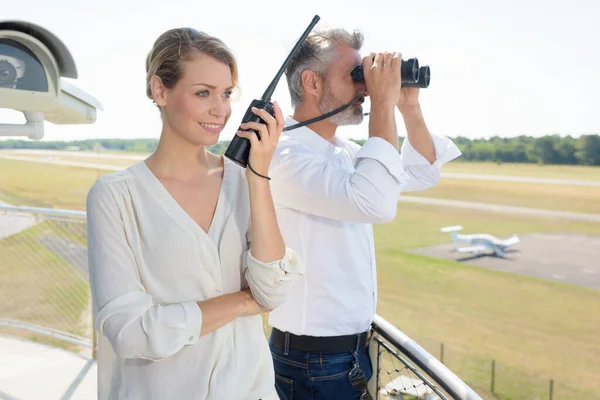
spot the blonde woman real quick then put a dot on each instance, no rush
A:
(185, 252)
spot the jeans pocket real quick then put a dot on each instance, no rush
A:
(284, 387)
(334, 387)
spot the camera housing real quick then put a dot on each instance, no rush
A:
(33, 66)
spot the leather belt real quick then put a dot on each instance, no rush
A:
(318, 344)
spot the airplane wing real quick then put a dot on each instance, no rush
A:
(472, 249)
(510, 241)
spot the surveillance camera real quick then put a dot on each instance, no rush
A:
(33, 66)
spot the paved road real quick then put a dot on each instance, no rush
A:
(574, 259)
(409, 198)
(103, 167)
(12, 223)
(72, 252)
(29, 155)
(502, 208)
(523, 179)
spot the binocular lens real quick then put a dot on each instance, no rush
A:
(423, 80)
(410, 70)
(412, 74)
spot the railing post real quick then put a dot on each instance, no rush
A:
(551, 388)
(493, 386)
(442, 352)
(94, 340)
(378, 369)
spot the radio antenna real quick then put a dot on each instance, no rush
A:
(266, 97)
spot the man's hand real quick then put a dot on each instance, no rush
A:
(382, 77)
(409, 97)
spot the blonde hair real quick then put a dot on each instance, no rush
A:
(175, 46)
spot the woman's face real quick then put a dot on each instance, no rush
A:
(198, 106)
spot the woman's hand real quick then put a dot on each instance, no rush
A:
(261, 151)
(251, 306)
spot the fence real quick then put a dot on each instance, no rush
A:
(496, 380)
(44, 297)
(44, 294)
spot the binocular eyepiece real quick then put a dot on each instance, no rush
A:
(412, 75)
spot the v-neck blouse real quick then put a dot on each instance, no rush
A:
(149, 263)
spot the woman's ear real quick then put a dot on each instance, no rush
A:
(312, 83)
(159, 91)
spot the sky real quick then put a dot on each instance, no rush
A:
(497, 67)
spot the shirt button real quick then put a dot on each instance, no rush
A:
(191, 338)
(284, 265)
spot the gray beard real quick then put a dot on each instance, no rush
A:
(350, 116)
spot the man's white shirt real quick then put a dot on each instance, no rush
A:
(327, 196)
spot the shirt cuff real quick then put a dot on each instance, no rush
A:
(289, 264)
(381, 150)
(193, 321)
(445, 151)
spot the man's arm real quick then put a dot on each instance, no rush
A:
(310, 183)
(416, 129)
(382, 77)
(422, 153)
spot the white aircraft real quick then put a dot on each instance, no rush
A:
(479, 242)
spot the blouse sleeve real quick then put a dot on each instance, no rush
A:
(272, 282)
(135, 326)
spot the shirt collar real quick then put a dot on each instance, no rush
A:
(310, 138)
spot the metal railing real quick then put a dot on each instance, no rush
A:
(45, 297)
(420, 375)
(44, 292)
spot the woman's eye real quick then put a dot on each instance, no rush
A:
(202, 93)
(227, 94)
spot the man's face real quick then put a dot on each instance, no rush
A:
(339, 88)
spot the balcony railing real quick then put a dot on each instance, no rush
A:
(45, 298)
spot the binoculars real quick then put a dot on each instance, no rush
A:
(412, 74)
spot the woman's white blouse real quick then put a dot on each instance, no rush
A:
(149, 263)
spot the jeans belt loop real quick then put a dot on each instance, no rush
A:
(286, 349)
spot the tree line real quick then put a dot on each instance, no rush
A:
(549, 149)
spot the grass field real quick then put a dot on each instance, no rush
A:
(584, 199)
(45, 185)
(39, 287)
(23, 182)
(534, 330)
(575, 172)
(578, 172)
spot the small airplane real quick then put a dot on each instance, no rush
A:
(479, 242)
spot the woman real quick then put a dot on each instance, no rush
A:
(184, 247)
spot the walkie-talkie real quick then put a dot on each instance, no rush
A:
(239, 148)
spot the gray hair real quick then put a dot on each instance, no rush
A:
(316, 53)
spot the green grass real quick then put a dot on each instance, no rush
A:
(585, 199)
(45, 185)
(535, 330)
(532, 328)
(39, 287)
(48, 185)
(577, 172)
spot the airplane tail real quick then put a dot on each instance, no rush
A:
(453, 230)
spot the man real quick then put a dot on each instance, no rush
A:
(328, 192)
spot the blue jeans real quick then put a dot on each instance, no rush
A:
(301, 375)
